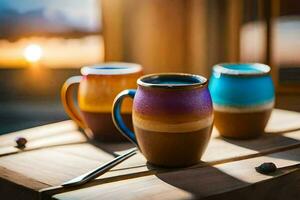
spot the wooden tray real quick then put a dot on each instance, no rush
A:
(58, 152)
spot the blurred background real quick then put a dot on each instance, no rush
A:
(43, 42)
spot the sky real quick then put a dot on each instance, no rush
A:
(78, 13)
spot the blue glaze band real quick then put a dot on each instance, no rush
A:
(244, 86)
(117, 118)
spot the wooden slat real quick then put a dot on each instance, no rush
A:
(53, 165)
(234, 16)
(196, 37)
(283, 121)
(85, 151)
(193, 183)
(219, 150)
(66, 138)
(113, 29)
(153, 35)
(224, 150)
(38, 132)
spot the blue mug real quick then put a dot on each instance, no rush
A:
(243, 98)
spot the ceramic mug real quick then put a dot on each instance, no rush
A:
(98, 86)
(243, 98)
(172, 118)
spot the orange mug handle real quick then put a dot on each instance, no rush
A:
(67, 92)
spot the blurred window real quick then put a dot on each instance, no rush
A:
(42, 43)
(54, 33)
(284, 37)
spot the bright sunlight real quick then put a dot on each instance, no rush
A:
(33, 53)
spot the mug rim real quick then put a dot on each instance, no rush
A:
(111, 68)
(202, 81)
(222, 69)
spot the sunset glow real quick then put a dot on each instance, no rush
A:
(55, 52)
(33, 53)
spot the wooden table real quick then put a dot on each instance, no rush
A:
(58, 152)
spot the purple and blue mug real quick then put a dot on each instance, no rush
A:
(172, 118)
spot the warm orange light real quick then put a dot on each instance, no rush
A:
(33, 53)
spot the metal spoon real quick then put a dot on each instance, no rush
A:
(84, 178)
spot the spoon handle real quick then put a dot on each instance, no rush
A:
(82, 179)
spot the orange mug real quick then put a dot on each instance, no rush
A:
(98, 87)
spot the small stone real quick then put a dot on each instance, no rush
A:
(266, 168)
(21, 142)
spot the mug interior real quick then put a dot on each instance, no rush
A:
(172, 80)
(242, 69)
(111, 68)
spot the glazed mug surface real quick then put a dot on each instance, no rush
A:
(98, 85)
(243, 98)
(172, 118)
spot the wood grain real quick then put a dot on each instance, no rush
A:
(220, 150)
(172, 35)
(67, 138)
(39, 132)
(41, 170)
(113, 29)
(195, 183)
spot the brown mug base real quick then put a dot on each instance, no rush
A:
(173, 150)
(103, 128)
(241, 125)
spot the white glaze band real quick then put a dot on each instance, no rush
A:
(248, 109)
(111, 68)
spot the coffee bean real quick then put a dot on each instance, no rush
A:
(21, 142)
(266, 168)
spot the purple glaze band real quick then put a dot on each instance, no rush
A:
(157, 102)
(167, 108)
